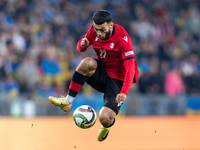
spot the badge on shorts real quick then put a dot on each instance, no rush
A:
(120, 104)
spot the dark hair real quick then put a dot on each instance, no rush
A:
(101, 17)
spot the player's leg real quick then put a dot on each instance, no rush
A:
(86, 68)
(110, 87)
(107, 119)
(110, 109)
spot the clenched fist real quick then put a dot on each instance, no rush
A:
(85, 43)
(120, 98)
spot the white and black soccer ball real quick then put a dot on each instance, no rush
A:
(84, 116)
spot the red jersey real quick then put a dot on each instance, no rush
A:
(113, 51)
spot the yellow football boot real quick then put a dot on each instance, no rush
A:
(103, 133)
(62, 102)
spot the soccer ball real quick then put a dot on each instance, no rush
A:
(84, 116)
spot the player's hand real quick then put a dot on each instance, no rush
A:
(120, 98)
(85, 43)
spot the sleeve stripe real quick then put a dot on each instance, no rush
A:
(128, 58)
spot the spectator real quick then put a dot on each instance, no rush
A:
(27, 74)
(174, 85)
(11, 87)
(50, 65)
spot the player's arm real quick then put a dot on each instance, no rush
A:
(128, 80)
(130, 72)
(129, 64)
(86, 41)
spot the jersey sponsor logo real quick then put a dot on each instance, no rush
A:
(129, 53)
(112, 45)
(125, 39)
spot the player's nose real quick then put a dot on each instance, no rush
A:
(99, 33)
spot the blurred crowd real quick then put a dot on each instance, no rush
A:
(38, 39)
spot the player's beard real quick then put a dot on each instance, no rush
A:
(107, 35)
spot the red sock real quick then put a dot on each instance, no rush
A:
(76, 84)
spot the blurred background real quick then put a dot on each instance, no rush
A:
(38, 54)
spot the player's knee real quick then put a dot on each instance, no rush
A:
(88, 61)
(105, 120)
(87, 66)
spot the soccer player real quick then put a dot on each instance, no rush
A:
(112, 73)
